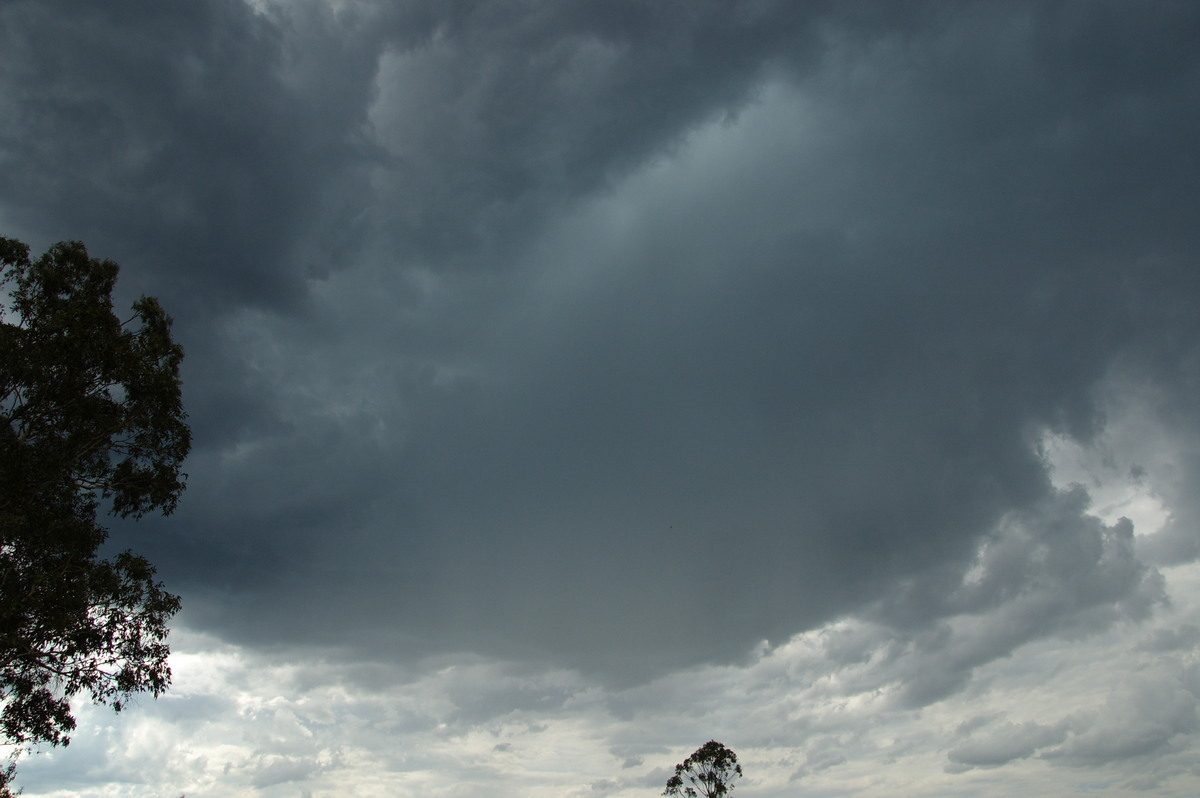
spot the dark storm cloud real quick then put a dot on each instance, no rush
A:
(767, 309)
(777, 393)
(231, 149)
(183, 138)
(495, 110)
(203, 147)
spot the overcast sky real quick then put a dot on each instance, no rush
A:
(575, 382)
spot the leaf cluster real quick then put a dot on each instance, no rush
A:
(710, 771)
(92, 417)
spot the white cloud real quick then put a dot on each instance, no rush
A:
(820, 713)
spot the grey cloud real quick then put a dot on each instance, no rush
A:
(656, 777)
(1003, 744)
(1140, 719)
(853, 403)
(766, 312)
(1185, 638)
(1055, 547)
(603, 787)
(633, 756)
(179, 140)
(1179, 540)
(1053, 571)
(978, 721)
(478, 691)
(273, 770)
(194, 708)
(1147, 715)
(495, 111)
(235, 152)
(817, 760)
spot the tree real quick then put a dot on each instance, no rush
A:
(93, 419)
(711, 770)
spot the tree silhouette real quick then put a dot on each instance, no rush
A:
(711, 771)
(92, 417)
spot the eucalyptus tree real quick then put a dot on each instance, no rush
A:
(93, 420)
(710, 771)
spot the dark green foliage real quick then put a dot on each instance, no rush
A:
(92, 418)
(711, 771)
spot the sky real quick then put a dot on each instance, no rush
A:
(576, 382)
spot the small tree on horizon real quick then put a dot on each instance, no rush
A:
(711, 771)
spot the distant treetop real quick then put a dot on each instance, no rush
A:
(710, 771)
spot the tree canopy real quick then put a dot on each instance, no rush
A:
(710, 771)
(93, 419)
